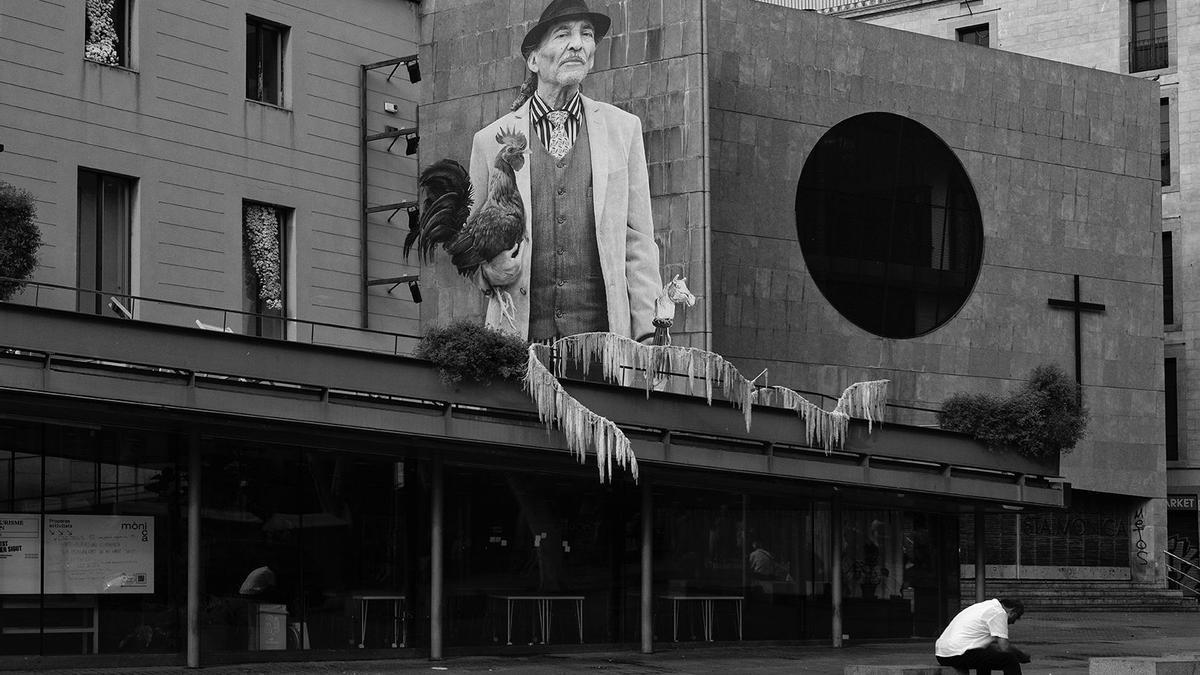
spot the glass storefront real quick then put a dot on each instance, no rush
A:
(538, 557)
(92, 540)
(326, 551)
(307, 550)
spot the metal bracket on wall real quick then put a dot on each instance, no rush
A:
(365, 138)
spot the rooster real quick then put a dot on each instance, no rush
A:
(497, 226)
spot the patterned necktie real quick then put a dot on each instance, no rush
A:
(559, 143)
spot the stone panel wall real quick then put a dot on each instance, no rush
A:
(1064, 163)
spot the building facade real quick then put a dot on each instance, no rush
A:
(1142, 38)
(216, 444)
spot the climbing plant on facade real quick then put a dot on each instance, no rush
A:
(1045, 417)
(20, 239)
(101, 42)
(262, 241)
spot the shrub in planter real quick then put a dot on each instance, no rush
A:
(20, 239)
(1045, 417)
(467, 350)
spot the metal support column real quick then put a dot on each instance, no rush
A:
(647, 568)
(436, 536)
(193, 552)
(362, 195)
(980, 565)
(835, 527)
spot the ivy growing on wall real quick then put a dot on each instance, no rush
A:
(261, 239)
(1044, 418)
(466, 350)
(101, 42)
(20, 239)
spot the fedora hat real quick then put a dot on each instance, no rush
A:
(563, 10)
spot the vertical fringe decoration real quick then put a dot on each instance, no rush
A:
(621, 359)
(864, 400)
(582, 427)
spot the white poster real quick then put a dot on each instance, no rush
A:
(99, 554)
(20, 549)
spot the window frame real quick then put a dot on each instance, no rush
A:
(95, 236)
(974, 29)
(280, 56)
(1160, 56)
(913, 274)
(988, 18)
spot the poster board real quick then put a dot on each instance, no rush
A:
(84, 554)
(20, 553)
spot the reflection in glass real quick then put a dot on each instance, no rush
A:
(889, 225)
(305, 550)
(108, 531)
(540, 558)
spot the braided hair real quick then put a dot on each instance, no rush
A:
(527, 88)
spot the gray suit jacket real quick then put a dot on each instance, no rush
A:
(624, 226)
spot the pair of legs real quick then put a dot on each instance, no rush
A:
(984, 661)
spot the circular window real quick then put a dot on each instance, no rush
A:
(889, 225)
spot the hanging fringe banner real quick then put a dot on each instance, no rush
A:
(621, 359)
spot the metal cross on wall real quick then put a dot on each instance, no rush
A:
(1078, 308)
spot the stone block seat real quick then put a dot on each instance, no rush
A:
(1171, 664)
(919, 669)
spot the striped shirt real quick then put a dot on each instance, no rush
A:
(542, 125)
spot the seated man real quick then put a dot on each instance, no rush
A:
(978, 638)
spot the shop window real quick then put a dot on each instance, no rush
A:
(1164, 139)
(1148, 46)
(1094, 532)
(266, 44)
(103, 508)
(889, 225)
(264, 239)
(309, 550)
(105, 222)
(108, 32)
(521, 543)
(975, 35)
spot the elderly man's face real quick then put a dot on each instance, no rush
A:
(566, 54)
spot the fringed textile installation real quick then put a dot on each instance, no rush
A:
(865, 400)
(582, 427)
(621, 359)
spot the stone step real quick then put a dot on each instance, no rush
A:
(1086, 596)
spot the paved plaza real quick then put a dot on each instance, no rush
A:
(1060, 643)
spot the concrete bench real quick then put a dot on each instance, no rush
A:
(1180, 664)
(900, 670)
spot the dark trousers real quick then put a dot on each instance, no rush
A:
(984, 661)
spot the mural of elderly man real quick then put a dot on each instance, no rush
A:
(589, 261)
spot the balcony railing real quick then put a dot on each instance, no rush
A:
(1183, 574)
(234, 322)
(831, 6)
(169, 312)
(1147, 54)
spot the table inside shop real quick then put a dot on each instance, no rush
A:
(86, 625)
(544, 604)
(707, 603)
(399, 623)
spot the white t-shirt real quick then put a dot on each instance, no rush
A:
(973, 628)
